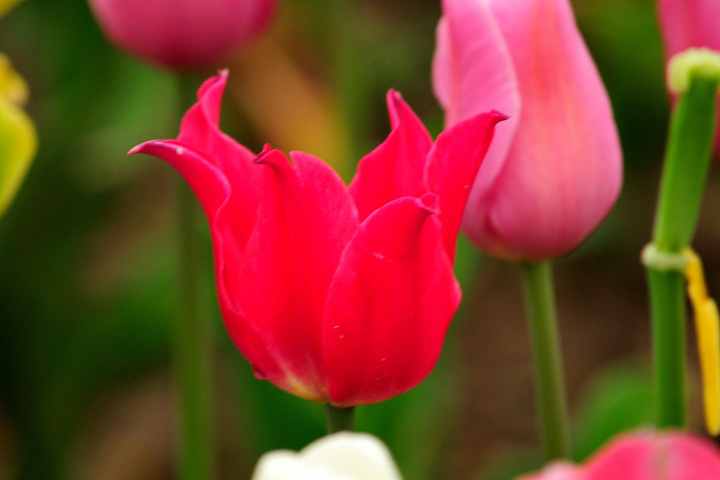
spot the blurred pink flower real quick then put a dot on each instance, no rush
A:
(690, 23)
(182, 34)
(336, 294)
(648, 455)
(554, 169)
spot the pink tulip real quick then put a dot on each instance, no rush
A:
(644, 456)
(690, 23)
(336, 294)
(182, 33)
(554, 169)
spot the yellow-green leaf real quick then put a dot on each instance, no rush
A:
(18, 140)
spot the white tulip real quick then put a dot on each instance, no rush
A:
(340, 456)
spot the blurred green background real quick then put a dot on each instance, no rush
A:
(88, 251)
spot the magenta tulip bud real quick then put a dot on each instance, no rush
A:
(690, 24)
(554, 169)
(643, 456)
(338, 294)
(182, 34)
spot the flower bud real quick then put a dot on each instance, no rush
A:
(554, 169)
(643, 456)
(182, 34)
(688, 24)
(340, 456)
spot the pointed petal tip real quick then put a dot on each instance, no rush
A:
(272, 157)
(261, 158)
(135, 149)
(497, 116)
(395, 104)
(145, 147)
(393, 95)
(212, 84)
(153, 147)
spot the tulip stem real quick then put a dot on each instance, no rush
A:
(339, 418)
(667, 297)
(687, 159)
(549, 383)
(192, 346)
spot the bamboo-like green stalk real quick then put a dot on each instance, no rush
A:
(687, 158)
(667, 293)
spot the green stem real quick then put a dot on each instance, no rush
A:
(339, 418)
(668, 321)
(549, 384)
(349, 71)
(193, 350)
(193, 344)
(687, 159)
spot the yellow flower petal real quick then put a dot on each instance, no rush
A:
(708, 338)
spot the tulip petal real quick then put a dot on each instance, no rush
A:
(564, 169)
(209, 183)
(560, 470)
(226, 182)
(182, 33)
(473, 73)
(338, 456)
(200, 129)
(655, 455)
(394, 169)
(453, 163)
(213, 190)
(230, 228)
(216, 167)
(389, 304)
(305, 219)
(643, 455)
(690, 23)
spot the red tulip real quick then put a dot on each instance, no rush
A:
(554, 169)
(336, 294)
(182, 33)
(644, 456)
